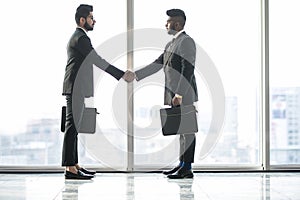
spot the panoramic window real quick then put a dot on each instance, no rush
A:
(284, 83)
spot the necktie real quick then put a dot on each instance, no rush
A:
(171, 44)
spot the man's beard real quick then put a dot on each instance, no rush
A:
(171, 30)
(88, 27)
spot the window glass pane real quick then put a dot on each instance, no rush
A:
(229, 33)
(284, 82)
(33, 49)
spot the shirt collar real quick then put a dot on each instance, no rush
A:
(82, 29)
(177, 34)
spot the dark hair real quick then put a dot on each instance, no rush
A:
(83, 11)
(179, 14)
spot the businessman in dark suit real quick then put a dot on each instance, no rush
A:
(178, 63)
(78, 85)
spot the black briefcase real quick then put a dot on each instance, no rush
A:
(179, 120)
(88, 122)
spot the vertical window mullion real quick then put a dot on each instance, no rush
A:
(130, 139)
(265, 86)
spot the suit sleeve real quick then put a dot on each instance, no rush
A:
(91, 55)
(150, 69)
(187, 54)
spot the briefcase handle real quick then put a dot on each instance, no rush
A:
(63, 119)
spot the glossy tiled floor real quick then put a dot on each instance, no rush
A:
(152, 186)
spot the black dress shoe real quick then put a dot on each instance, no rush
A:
(172, 171)
(183, 172)
(90, 172)
(79, 175)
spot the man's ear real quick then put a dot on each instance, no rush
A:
(82, 20)
(177, 26)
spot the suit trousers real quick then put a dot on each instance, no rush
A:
(187, 147)
(187, 143)
(74, 111)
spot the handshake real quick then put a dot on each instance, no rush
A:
(129, 76)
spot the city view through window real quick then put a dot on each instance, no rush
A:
(40, 143)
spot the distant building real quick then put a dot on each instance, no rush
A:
(285, 125)
(39, 145)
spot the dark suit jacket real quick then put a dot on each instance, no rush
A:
(79, 69)
(178, 62)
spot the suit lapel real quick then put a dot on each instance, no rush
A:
(170, 50)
